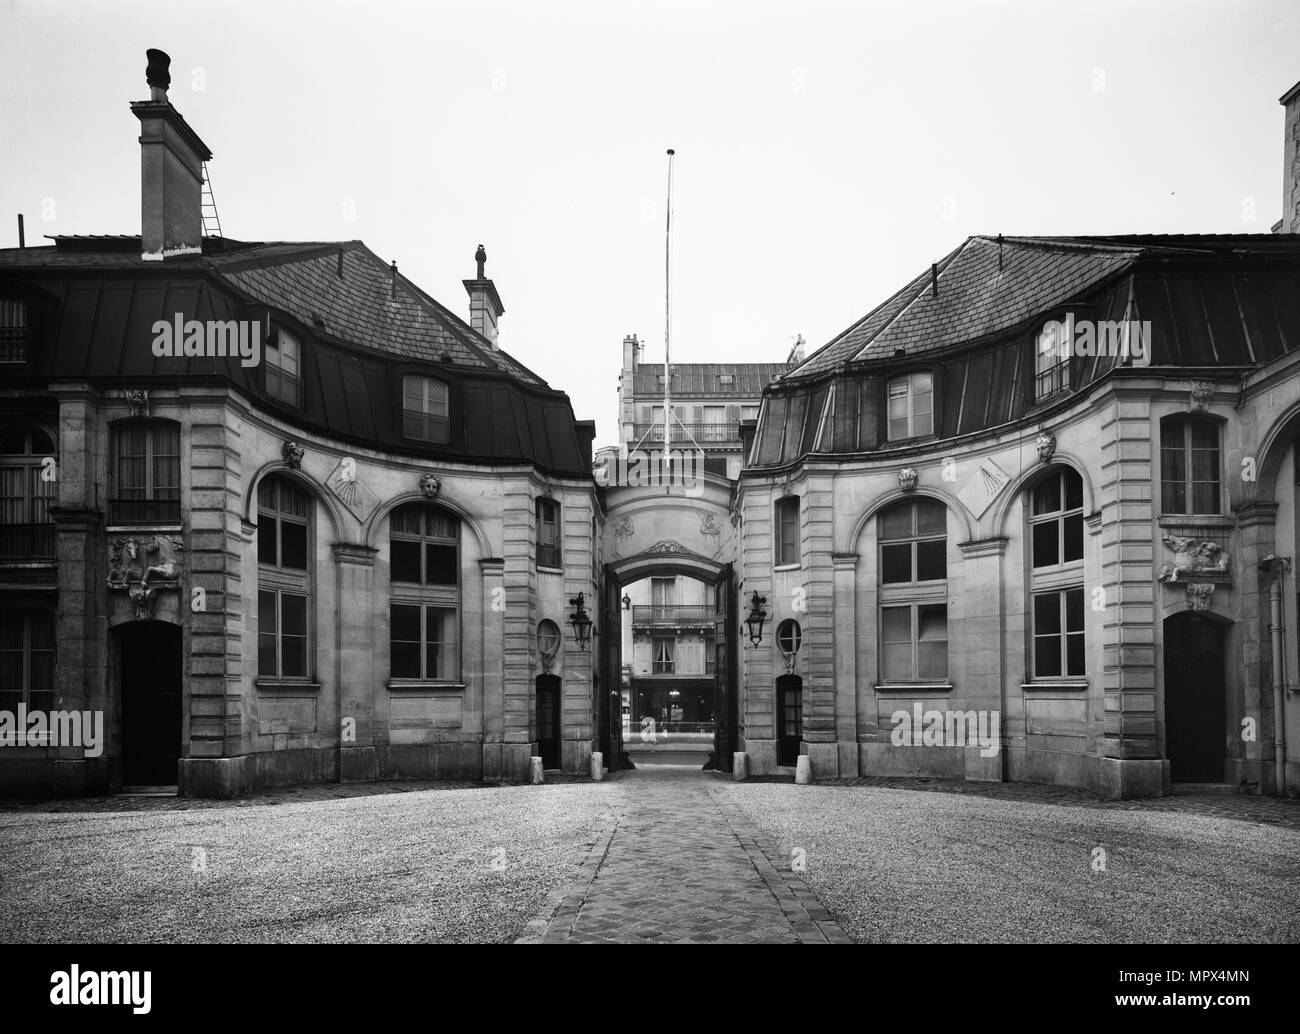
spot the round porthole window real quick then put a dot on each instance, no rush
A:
(548, 637)
(789, 636)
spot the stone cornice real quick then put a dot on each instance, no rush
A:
(1256, 512)
(983, 547)
(352, 553)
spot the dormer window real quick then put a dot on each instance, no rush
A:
(13, 330)
(1052, 361)
(284, 368)
(911, 406)
(426, 415)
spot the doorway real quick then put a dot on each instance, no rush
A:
(789, 719)
(548, 720)
(150, 674)
(1195, 734)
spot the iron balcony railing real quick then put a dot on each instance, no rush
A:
(27, 542)
(145, 511)
(683, 434)
(672, 614)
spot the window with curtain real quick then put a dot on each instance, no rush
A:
(26, 659)
(146, 475)
(13, 330)
(426, 409)
(284, 580)
(911, 406)
(424, 593)
(664, 656)
(283, 365)
(27, 491)
(786, 521)
(548, 533)
(1189, 466)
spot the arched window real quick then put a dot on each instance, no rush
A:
(1189, 466)
(913, 542)
(424, 597)
(1055, 520)
(284, 580)
(27, 491)
(146, 475)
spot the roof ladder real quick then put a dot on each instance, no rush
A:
(208, 207)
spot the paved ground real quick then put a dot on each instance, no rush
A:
(662, 855)
(681, 865)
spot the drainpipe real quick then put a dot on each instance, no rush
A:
(1278, 566)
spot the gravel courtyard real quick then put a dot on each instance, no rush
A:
(477, 864)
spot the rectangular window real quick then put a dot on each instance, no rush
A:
(26, 659)
(787, 531)
(284, 368)
(426, 413)
(281, 634)
(1189, 467)
(423, 641)
(664, 662)
(13, 330)
(548, 533)
(911, 406)
(748, 412)
(914, 643)
(147, 473)
(1051, 362)
(1058, 633)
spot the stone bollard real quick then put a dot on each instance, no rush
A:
(803, 769)
(739, 765)
(597, 766)
(535, 771)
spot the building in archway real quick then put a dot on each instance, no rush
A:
(1025, 517)
(276, 515)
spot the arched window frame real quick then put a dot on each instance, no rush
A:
(286, 548)
(1056, 620)
(913, 614)
(424, 609)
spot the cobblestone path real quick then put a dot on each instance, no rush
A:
(677, 864)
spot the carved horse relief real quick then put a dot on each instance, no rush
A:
(129, 570)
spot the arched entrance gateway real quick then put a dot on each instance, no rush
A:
(681, 676)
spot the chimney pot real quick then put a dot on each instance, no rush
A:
(157, 74)
(485, 306)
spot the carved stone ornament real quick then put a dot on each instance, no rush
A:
(1198, 595)
(1045, 443)
(141, 578)
(624, 529)
(709, 525)
(1204, 560)
(907, 479)
(1201, 392)
(293, 454)
(430, 485)
(138, 398)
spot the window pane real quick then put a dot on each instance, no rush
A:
(293, 545)
(897, 428)
(1045, 544)
(440, 565)
(896, 662)
(405, 561)
(440, 639)
(932, 642)
(1074, 610)
(896, 624)
(1047, 614)
(1073, 489)
(406, 660)
(923, 424)
(1204, 435)
(896, 522)
(896, 563)
(931, 518)
(896, 643)
(293, 615)
(266, 536)
(405, 623)
(1074, 654)
(1173, 497)
(1205, 498)
(931, 560)
(1047, 656)
(266, 634)
(1074, 537)
(1047, 495)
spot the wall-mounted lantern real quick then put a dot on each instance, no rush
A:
(627, 602)
(581, 621)
(757, 615)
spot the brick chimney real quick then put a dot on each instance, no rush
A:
(171, 171)
(485, 306)
(1291, 162)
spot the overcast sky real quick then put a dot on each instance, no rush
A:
(826, 152)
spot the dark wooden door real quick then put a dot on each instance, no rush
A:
(1195, 733)
(150, 653)
(548, 720)
(789, 719)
